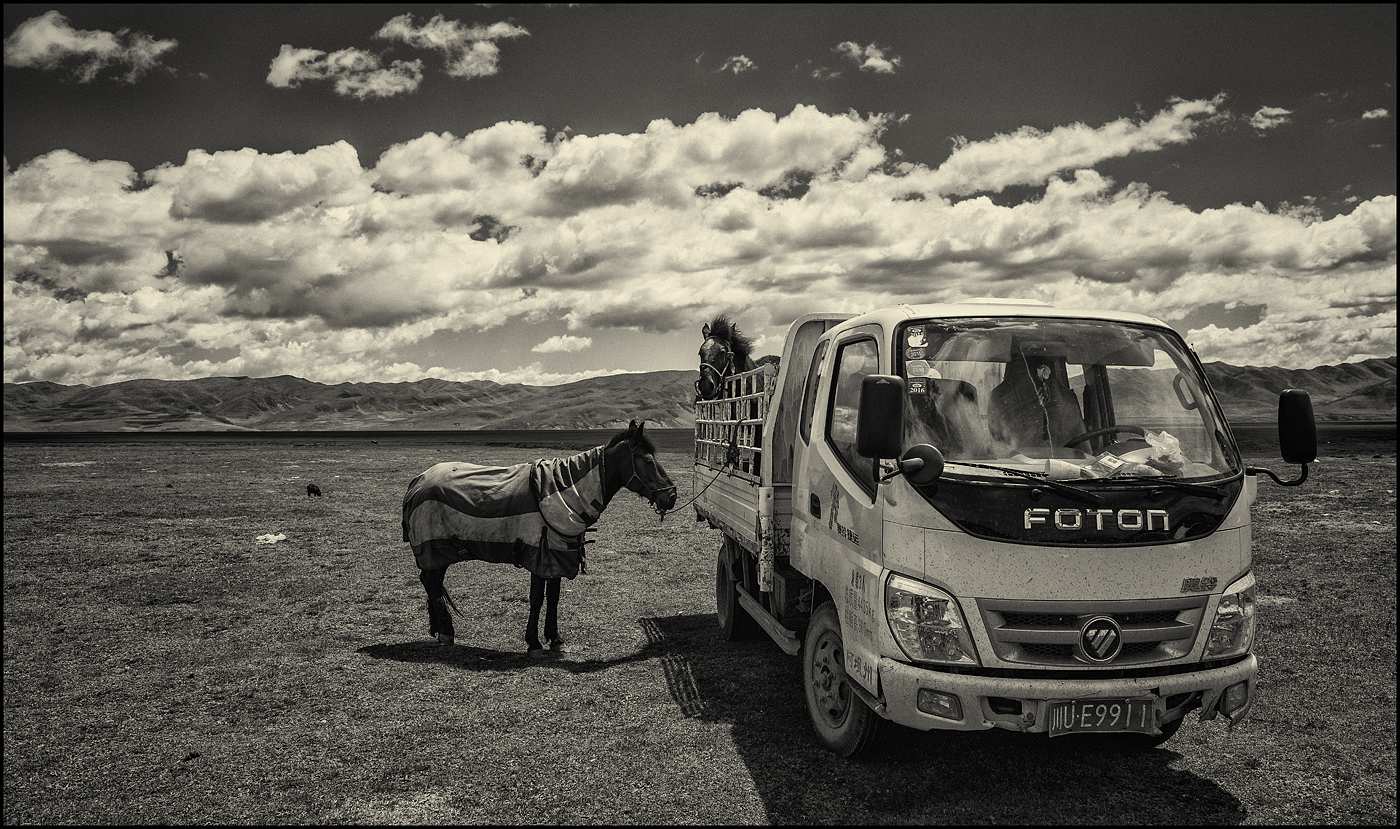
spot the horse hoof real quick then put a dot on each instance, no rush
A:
(556, 644)
(445, 638)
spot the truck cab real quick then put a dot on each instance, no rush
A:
(1002, 515)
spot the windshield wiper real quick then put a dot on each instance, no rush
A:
(1172, 483)
(1068, 491)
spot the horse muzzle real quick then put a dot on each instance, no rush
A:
(662, 500)
(707, 389)
(666, 499)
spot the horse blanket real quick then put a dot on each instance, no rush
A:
(532, 515)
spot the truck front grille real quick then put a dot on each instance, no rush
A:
(1046, 633)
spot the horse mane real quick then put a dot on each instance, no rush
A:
(721, 327)
(645, 441)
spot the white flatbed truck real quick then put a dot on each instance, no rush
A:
(996, 514)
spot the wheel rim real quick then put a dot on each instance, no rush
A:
(832, 696)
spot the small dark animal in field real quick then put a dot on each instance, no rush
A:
(532, 515)
(312, 489)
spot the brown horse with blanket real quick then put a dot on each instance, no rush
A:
(532, 515)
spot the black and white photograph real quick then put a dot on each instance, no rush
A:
(700, 414)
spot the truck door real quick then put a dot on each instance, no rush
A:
(836, 512)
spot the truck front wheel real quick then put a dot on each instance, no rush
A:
(845, 724)
(735, 623)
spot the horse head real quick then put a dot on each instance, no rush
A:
(725, 351)
(647, 478)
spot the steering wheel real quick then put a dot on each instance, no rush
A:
(1107, 430)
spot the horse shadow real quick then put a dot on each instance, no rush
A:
(972, 777)
(472, 658)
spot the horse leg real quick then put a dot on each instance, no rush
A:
(532, 630)
(439, 619)
(551, 614)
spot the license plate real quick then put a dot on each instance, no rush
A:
(1102, 716)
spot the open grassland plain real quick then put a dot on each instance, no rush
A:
(161, 665)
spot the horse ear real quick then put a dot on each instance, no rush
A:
(705, 330)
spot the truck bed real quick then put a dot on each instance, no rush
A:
(734, 498)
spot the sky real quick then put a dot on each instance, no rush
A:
(543, 194)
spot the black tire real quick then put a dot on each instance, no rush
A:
(735, 623)
(844, 723)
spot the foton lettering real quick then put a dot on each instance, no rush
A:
(1129, 520)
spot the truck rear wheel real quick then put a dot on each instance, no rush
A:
(845, 724)
(735, 623)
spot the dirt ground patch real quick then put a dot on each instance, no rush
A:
(161, 665)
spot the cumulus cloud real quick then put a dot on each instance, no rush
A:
(869, 58)
(355, 73)
(1371, 114)
(1269, 117)
(737, 64)
(49, 42)
(310, 264)
(563, 342)
(1030, 156)
(471, 50)
(247, 187)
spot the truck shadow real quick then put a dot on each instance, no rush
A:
(939, 776)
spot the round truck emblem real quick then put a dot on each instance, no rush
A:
(1100, 639)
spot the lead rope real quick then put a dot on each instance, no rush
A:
(731, 457)
(701, 492)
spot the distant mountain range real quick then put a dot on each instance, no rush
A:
(664, 399)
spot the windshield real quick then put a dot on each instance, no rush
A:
(1071, 399)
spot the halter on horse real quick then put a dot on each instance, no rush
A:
(647, 489)
(724, 352)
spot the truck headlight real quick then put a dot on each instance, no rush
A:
(927, 623)
(1232, 631)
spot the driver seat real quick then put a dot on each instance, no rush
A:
(1034, 408)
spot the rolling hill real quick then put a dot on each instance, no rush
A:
(663, 399)
(1353, 391)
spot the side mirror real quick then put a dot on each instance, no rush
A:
(880, 420)
(1297, 428)
(1297, 434)
(922, 464)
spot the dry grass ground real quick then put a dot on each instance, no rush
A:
(162, 666)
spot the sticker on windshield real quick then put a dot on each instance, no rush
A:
(916, 368)
(918, 387)
(913, 353)
(915, 338)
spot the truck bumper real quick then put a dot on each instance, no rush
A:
(1020, 704)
